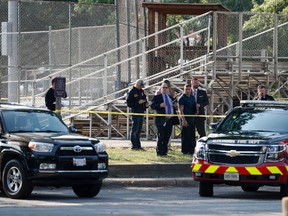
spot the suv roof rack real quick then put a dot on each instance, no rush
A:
(259, 103)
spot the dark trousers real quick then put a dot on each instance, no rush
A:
(163, 137)
(137, 122)
(200, 126)
(188, 139)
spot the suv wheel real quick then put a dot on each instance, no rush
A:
(284, 190)
(205, 189)
(14, 181)
(87, 190)
(250, 188)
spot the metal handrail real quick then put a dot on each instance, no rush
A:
(118, 49)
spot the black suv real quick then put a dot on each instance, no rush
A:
(38, 149)
(248, 148)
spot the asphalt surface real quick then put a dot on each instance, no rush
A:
(151, 179)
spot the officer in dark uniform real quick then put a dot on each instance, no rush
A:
(138, 103)
(202, 101)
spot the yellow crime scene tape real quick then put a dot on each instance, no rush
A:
(131, 114)
(135, 114)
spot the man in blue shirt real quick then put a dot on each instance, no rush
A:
(187, 106)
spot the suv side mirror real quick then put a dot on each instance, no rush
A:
(213, 126)
(72, 129)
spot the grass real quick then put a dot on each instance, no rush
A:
(127, 156)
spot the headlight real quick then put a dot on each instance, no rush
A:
(275, 153)
(200, 150)
(41, 147)
(99, 147)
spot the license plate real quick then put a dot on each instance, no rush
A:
(231, 176)
(79, 161)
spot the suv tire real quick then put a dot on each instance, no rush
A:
(87, 190)
(15, 182)
(284, 190)
(205, 189)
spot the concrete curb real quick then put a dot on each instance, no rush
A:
(149, 182)
(165, 170)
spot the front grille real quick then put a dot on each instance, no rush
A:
(233, 160)
(69, 151)
(236, 154)
(234, 147)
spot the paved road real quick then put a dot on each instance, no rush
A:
(228, 201)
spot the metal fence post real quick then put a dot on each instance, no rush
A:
(214, 43)
(118, 67)
(33, 93)
(70, 54)
(137, 38)
(50, 51)
(240, 45)
(181, 47)
(13, 70)
(105, 76)
(143, 58)
(128, 123)
(90, 124)
(109, 121)
(208, 43)
(128, 39)
(147, 124)
(275, 45)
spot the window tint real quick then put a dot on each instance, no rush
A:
(32, 121)
(275, 120)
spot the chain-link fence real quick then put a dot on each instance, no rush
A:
(257, 36)
(40, 38)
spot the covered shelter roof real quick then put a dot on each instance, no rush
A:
(157, 13)
(183, 8)
(157, 16)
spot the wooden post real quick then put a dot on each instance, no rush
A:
(58, 106)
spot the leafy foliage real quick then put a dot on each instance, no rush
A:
(259, 22)
(97, 1)
(86, 1)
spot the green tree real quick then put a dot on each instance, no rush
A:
(260, 22)
(271, 6)
(235, 6)
(97, 1)
(61, 0)
(85, 1)
(97, 13)
(181, 1)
